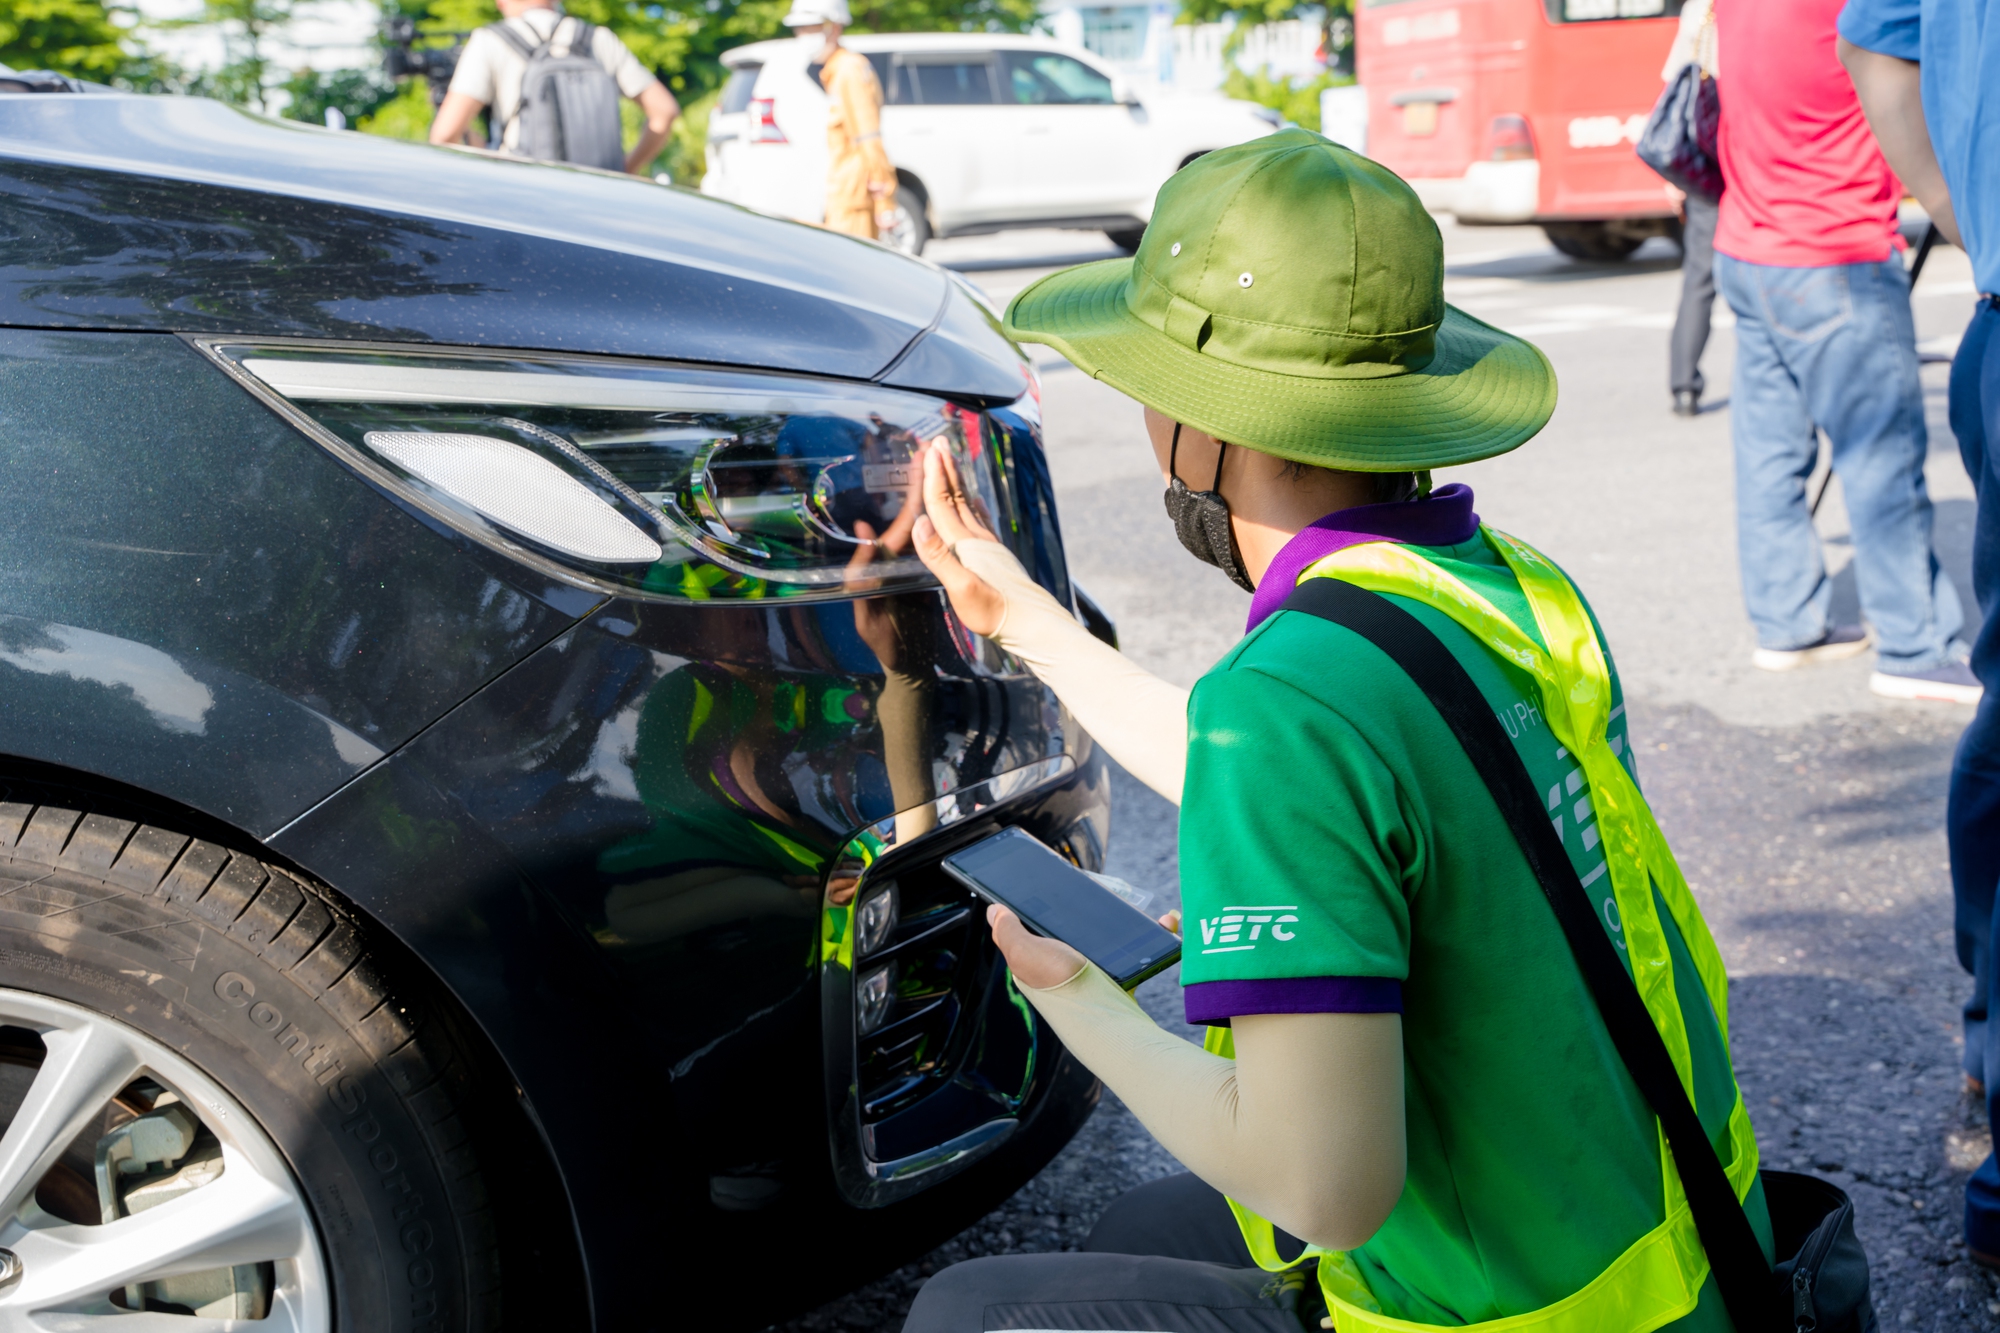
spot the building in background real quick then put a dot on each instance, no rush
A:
(1161, 56)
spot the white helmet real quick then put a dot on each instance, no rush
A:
(812, 13)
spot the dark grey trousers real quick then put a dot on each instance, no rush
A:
(1165, 1258)
(1697, 296)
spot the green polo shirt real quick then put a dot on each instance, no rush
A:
(1332, 814)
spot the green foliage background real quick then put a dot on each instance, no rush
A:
(1296, 102)
(683, 42)
(680, 40)
(77, 37)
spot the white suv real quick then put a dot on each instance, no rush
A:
(987, 133)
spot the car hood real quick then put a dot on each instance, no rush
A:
(182, 214)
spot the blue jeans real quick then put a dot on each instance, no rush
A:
(1834, 348)
(1972, 820)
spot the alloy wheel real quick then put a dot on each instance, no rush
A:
(901, 233)
(133, 1187)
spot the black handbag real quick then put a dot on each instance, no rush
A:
(1679, 140)
(1820, 1284)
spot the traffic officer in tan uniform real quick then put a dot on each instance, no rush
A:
(860, 183)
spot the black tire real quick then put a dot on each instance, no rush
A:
(1126, 238)
(224, 957)
(919, 234)
(1592, 241)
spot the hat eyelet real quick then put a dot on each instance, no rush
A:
(1244, 280)
(1174, 249)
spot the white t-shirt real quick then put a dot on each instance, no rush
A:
(490, 71)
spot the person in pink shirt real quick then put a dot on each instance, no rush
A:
(1809, 258)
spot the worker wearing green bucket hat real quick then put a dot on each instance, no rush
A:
(1288, 296)
(1408, 1113)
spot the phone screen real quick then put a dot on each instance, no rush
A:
(1056, 899)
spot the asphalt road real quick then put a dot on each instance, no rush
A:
(1807, 813)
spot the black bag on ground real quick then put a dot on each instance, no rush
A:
(569, 102)
(1679, 140)
(1820, 1284)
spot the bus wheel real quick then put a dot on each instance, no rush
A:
(1592, 240)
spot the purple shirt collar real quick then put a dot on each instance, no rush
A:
(1443, 519)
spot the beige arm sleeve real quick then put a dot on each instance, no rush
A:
(1304, 1127)
(1139, 718)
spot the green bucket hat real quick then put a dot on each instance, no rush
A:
(1289, 296)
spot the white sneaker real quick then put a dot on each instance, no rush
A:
(1840, 642)
(1952, 683)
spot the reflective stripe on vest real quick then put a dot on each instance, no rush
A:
(1658, 1278)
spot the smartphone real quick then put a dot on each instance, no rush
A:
(1054, 898)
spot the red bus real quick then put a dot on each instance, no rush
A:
(1523, 111)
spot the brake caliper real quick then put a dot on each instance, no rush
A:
(155, 1159)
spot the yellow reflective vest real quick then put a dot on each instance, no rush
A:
(1658, 1278)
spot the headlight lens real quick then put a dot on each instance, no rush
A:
(652, 479)
(873, 922)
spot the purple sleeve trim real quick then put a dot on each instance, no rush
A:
(1216, 1002)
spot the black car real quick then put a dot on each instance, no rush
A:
(476, 746)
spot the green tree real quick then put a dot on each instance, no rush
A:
(683, 40)
(246, 27)
(1296, 102)
(81, 38)
(407, 115)
(1336, 24)
(355, 93)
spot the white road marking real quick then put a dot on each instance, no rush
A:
(1521, 307)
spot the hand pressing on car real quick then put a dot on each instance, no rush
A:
(951, 516)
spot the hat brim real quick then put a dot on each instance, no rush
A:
(1484, 392)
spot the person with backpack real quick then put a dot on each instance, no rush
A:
(550, 84)
(1426, 1045)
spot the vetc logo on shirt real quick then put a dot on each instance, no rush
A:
(1240, 928)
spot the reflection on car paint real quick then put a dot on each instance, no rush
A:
(679, 779)
(176, 701)
(602, 264)
(361, 273)
(209, 547)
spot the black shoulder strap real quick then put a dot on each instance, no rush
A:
(1741, 1273)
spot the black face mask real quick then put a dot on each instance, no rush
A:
(1201, 518)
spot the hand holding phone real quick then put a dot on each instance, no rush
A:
(1054, 899)
(1035, 960)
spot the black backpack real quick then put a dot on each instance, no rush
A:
(569, 102)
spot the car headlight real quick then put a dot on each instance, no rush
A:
(642, 478)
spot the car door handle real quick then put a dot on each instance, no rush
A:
(1038, 129)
